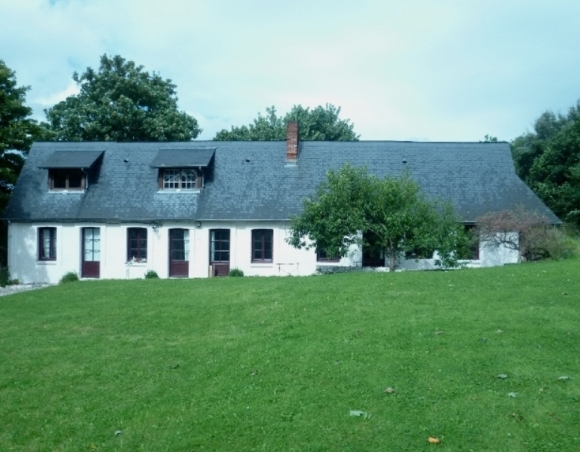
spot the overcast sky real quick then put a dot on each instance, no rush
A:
(427, 70)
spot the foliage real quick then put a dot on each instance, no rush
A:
(489, 139)
(235, 272)
(69, 277)
(151, 274)
(319, 124)
(17, 131)
(548, 160)
(120, 102)
(261, 363)
(524, 231)
(4, 276)
(392, 213)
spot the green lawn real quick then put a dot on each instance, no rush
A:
(279, 363)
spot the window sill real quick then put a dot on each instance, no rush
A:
(179, 190)
(66, 192)
(136, 264)
(46, 262)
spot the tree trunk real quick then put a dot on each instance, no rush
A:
(392, 261)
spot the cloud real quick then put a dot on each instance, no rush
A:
(71, 90)
(446, 70)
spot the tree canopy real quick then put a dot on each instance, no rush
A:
(17, 130)
(548, 160)
(320, 124)
(120, 102)
(392, 214)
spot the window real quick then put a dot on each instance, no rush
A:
(179, 179)
(262, 245)
(419, 253)
(46, 244)
(66, 179)
(137, 244)
(219, 245)
(321, 256)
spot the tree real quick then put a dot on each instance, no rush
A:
(120, 102)
(17, 131)
(351, 206)
(320, 124)
(518, 230)
(548, 160)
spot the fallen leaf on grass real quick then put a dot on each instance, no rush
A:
(439, 333)
(512, 394)
(118, 432)
(502, 376)
(389, 390)
(433, 440)
(564, 378)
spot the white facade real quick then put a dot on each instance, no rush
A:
(25, 265)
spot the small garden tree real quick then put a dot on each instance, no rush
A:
(392, 210)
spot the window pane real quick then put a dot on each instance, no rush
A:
(262, 246)
(188, 179)
(137, 244)
(171, 178)
(58, 179)
(47, 243)
(75, 179)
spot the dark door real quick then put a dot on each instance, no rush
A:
(91, 253)
(372, 257)
(219, 251)
(179, 253)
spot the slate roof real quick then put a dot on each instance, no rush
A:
(252, 181)
(183, 158)
(71, 159)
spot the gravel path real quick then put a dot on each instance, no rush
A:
(9, 290)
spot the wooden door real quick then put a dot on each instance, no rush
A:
(179, 253)
(219, 252)
(91, 253)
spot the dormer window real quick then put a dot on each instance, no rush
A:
(179, 179)
(69, 170)
(66, 179)
(182, 168)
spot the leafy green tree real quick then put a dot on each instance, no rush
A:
(120, 102)
(17, 131)
(548, 160)
(352, 205)
(320, 124)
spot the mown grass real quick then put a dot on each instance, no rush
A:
(278, 363)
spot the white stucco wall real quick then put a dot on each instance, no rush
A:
(24, 264)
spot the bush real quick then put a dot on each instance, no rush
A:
(235, 272)
(4, 276)
(69, 277)
(151, 274)
(562, 244)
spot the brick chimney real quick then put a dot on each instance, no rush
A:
(292, 142)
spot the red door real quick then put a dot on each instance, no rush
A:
(179, 253)
(91, 254)
(219, 252)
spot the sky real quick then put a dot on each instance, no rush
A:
(420, 70)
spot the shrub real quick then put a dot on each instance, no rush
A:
(151, 274)
(69, 277)
(561, 244)
(4, 276)
(236, 272)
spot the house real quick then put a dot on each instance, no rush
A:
(200, 208)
